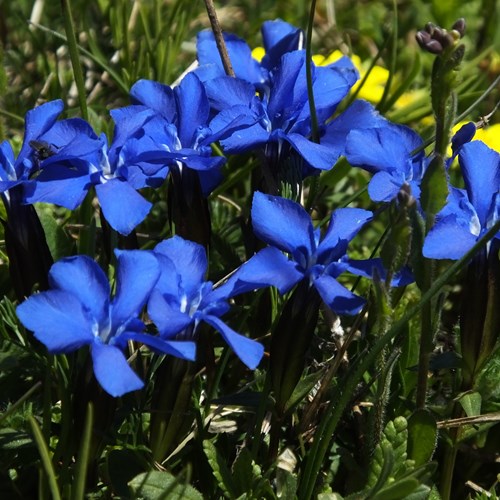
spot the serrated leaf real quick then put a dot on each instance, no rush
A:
(471, 403)
(156, 485)
(220, 469)
(422, 436)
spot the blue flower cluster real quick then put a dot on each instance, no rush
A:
(265, 109)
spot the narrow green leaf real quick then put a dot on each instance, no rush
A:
(43, 449)
(83, 455)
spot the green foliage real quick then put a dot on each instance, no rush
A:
(156, 485)
(392, 475)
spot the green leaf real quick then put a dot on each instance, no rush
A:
(434, 188)
(156, 485)
(302, 389)
(422, 436)
(220, 469)
(243, 472)
(123, 465)
(471, 403)
(286, 485)
(398, 490)
(59, 243)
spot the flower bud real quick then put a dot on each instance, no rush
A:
(459, 26)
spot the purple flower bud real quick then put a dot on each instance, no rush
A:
(423, 38)
(434, 47)
(429, 28)
(459, 26)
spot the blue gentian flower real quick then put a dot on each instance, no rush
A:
(78, 311)
(278, 121)
(287, 227)
(13, 171)
(182, 299)
(88, 161)
(279, 37)
(471, 212)
(179, 136)
(386, 152)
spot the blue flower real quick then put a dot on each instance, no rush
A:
(470, 213)
(14, 171)
(287, 227)
(78, 311)
(386, 152)
(87, 160)
(182, 299)
(179, 136)
(279, 122)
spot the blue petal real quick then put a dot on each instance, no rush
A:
(337, 297)
(74, 136)
(359, 115)
(282, 223)
(289, 89)
(167, 316)
(449, 238)
(464, 135)
(37, 122)
(247, 139)
(279, 37)
(112, 370)
(83, 278)
(58, 320)
(345, 223)
(249, 351)
(157, 96)
(330, 86)
(269, 267)
(225, 92)
(383, 148)
(190, 261)
(123, 207)
(318, 156)
(240, 55)
(128, 121)
(385, 186)
(137, 274)
(193, 108)
(481, 170)
(180, 348)
(58, 185)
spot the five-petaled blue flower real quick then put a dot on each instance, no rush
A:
(78, 311)
(287, 227)
(182, 299)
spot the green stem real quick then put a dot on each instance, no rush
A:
(69, 27)
(83, 456)
(43, 449)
